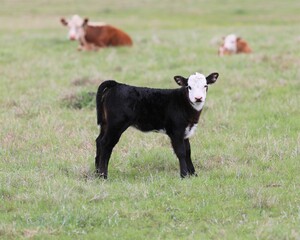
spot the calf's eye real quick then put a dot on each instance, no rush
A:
(189, 87)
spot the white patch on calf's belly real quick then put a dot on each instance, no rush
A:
(160, 131)
(154, 130)
(190, 130)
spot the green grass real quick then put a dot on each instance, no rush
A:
(246, 149)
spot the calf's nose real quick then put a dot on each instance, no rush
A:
(198, 99)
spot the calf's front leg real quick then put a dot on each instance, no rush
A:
(179, 149)
(188, 159)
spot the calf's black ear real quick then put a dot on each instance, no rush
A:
(181, 81)
(212, 78)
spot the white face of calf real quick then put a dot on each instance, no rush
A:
(197, 85)
(75, 25)
(230, 43)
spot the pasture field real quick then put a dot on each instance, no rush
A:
(245, 151)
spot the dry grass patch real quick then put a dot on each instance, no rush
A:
(79, 100)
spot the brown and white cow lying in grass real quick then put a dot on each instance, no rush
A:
(92, 35)
(233, 45)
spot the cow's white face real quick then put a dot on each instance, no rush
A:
(230, 43)
(197, 85)
(75, 25)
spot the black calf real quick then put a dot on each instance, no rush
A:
(173, 111)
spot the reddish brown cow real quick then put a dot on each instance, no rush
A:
(93, 36)
(232, 45)
(105, 36)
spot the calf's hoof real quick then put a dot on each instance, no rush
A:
(183, 175)
(101, 175)
(188, 175)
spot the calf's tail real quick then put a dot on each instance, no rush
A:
(102, 90)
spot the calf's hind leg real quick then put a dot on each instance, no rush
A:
(98, 148)
(105, 146)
